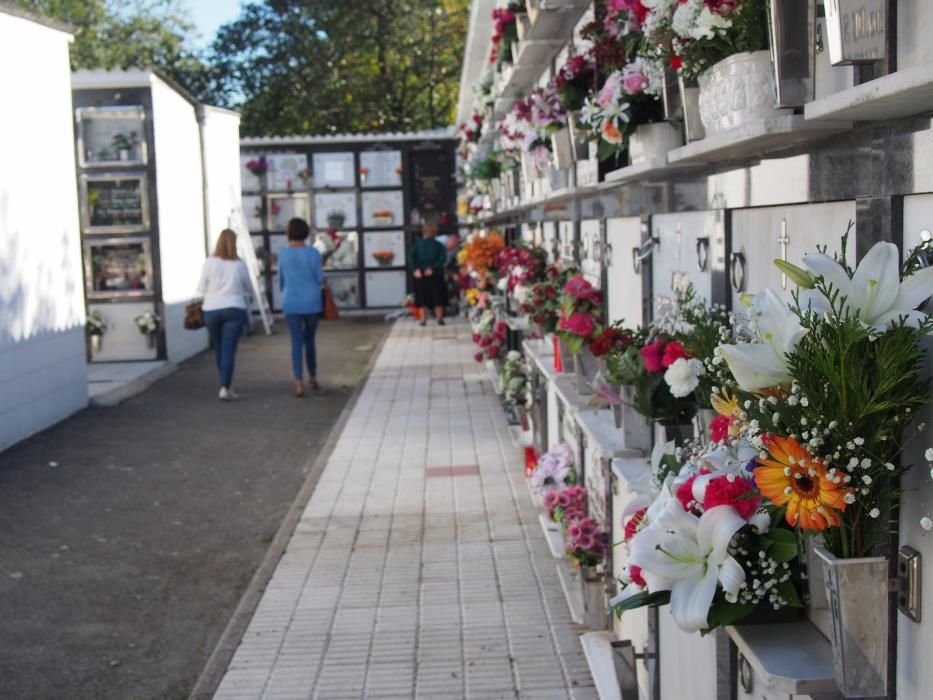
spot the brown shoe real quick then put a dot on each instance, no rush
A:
(313, 385)
(299, 388)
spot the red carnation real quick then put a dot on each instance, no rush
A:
(631, 527)
(719, 428)
(738, 493)
(673, 352)
(651, 355)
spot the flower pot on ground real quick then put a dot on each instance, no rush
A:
(652, 141)
(857, 593)
(737, 90)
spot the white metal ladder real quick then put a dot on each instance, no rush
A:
(244, 244)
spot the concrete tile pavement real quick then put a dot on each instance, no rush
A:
(406, 578)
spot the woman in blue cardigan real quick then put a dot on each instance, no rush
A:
(301, 277)
(427, 260)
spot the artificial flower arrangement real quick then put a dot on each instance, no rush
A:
(326, 243)
(529, 125)
(147, 322)
(585, 542)
(692, 35)
(257, 166)
(478, 254)
(505, 32)
(489, 335)
(666, 363)
(554, 472)
(826, 388)
(125, 142)
(542, 304)
(521, 265)
(471, 131)
(580, 314)
(95, 324)
(384, 257)
(574, 81)
(516, 389)
(701, 538)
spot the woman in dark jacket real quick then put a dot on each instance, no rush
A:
(427, 260)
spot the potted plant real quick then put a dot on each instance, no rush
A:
(94, 327)
(335, 219)
(383, 217)
(125, 144)
(148, 324)
(257, 166)
(384, 257)
(827, 389)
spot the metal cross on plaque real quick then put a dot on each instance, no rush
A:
(783, 240)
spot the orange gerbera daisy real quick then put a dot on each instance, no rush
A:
(793, 477)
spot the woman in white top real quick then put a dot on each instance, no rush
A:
(225, 286)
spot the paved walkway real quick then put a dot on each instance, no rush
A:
(418, 569)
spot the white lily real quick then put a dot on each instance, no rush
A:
(875, 291)
(689, 556)
(761, 365)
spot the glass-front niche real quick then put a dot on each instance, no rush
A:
(114, 203)
(118, 267)
(111, 137)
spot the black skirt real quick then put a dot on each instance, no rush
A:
(431, 291)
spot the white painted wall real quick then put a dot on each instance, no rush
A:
(220, 131)
(179, 188)
(43, 372)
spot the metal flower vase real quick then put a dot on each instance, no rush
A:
(595, 608)
(584, 366)
(636, 430)
(97, 341)
(857, 593)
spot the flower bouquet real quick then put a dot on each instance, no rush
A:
(326, 243)
(148, 323)
(384, 257)
(580, 320)
(490, 336)
(516, 389)
(554, 473)
(125, 144)
(505, 33)
(542, 302)
(478, 255)
(257, 166)
(521, 264)
(565, 505)
(700, 538)
(826, 389)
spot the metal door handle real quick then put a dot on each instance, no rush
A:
(737, 268)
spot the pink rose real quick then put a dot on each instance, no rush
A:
(634, 83)
(581, 325)
(578, 288)
(651, 355)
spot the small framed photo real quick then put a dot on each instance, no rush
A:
(114, 203)
(111, 137)
(282, 207)
(118, 267)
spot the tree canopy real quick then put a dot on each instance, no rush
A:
(119, 34)
(320, 66)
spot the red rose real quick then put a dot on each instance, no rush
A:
(478, 357)
(673, 352)
(738, 493)
(651, 354)
(550, 292)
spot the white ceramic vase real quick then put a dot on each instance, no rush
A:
(652, 141)
(737, 90)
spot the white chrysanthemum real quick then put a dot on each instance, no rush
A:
(683, 376)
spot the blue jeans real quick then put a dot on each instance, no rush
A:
(225, 326)
(302, 328)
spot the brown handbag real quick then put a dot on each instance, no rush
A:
(194, 316)
(330, 312)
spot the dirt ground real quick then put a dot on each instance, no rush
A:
(129, 534)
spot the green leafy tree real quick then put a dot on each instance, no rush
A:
(119, 34)
(319, 66)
